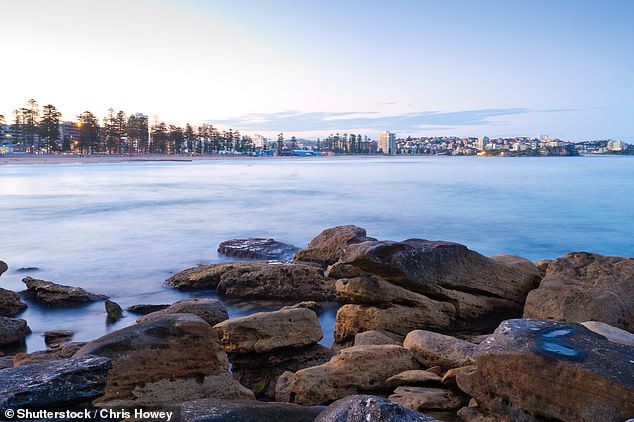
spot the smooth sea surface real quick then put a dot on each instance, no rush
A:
(121, 229)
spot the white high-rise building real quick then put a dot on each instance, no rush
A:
(387, 143)
(258, 141)
(482, 142)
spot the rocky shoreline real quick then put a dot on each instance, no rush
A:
(427, 330)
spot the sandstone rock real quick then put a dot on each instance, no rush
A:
(3, 267)
(413, 377)
(283, 387)
(144, 309)
(10, 303)
(330, 244)
(12, 331)
(165, 360)
(53, 384)
(532, 370)
(212, 311)
(49, 355)
(307, 304)
(210, 410)
(352, 370)
(481, 291)
(260, 371)
(6, 362)
(50, 293)
(431, 349)
(58, 336)
(257, 248)
(542, 265)
(267, 331)
(423, 399)
(583, 286)
(113, 309)
(364, 408)
(449, 379)
(368, 338)
(258, 280)
(613, 334)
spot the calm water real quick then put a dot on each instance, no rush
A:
(121, 229)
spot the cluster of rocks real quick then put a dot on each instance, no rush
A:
(426, 331)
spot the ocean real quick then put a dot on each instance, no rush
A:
(121, 229)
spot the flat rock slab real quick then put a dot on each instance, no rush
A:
(257, 248)
(53, 384)
(246, 411)
(144, 309)
(50, 293)
(365, 408)
(431, 349)
(212, 311)
(531, 369)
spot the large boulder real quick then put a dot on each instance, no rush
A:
(10, 303)
(368, 338)
(544, 370)
(165, 360)
(12, 331)
(267, 331)
(613, 334)
(431, 349)
(353, 370)
(258, 280)
(211, 410)
(583, 286)
(330, 245)
(57, 384)
(257, 248)
(211, 310)
(50, 293)
(364, 408)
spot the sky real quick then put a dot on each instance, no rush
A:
(306, 68)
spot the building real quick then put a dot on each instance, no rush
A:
(69, 134)
(387, 143)
(616, 145)
(258, 141)
(482, 142)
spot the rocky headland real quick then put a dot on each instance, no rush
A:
(426, 330)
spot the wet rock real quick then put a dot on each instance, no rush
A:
(414, 377)
(27, 269)
(6, 362)
(367, 338)
(212, 311)
(422, 399)
(258, 280)
(352, 370)
(58, 336)
(257, 248)
(50, 293)
(143, 309)
(246, 411)
(330, 245)
(10, 303)
(49, 355)
(364, 408)
(3, 267)
(267, 331)
(432, 349)
(533, 370)
(12, 331)
(165, 360)
(583, 286)
(53, 384)
(613, 334)
(113, 309)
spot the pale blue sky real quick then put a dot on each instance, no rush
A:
(496, 68)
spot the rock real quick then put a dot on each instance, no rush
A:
(367, 338)
(6, 362)
(258, 280)
(352, 370)
(471, 291)
(58, 336)
(364, 408)
(212, 311)
(57, 384)
(307, 304)
(10, 303)
(542, 265)
(257, 248)
(613, 334)
(449, 379)
(49, 355)
(432, 349)
(50, 293)
(414, 377)
(267, 331)
(145, 309)
(423, 399)
(583, 286)
(12, 331)
(3, 267)
(165, 360)
(113, 309)
(210, 410)
(533, 370)
(330, 244)
(283, 387)
(27, 269)
(260, 371)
